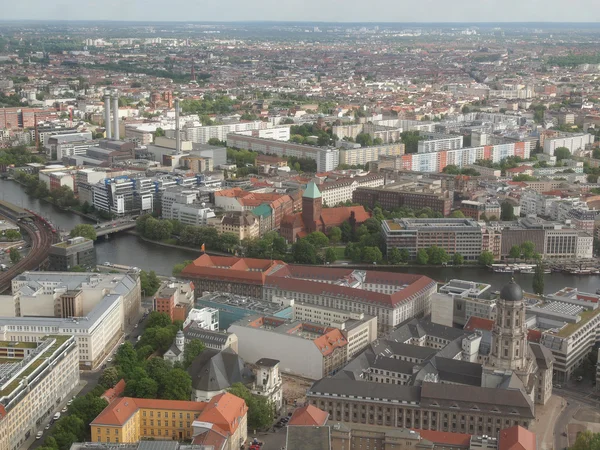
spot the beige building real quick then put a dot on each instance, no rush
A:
(359, 329)
(30, 391)
(245, 225)
(364, 155)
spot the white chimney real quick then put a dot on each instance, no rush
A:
(115, 100)
(107, 123)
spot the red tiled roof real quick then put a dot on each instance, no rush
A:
(248, 270)
(534, 336)
(121, 409)
(516, 438)
(309, 415)
(328, 342)
(479, 323)
(332, 217)
(114, 392)
(587, 298)
(443, 437)
(224, 410)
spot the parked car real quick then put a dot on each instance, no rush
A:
(39, 434)
(47, 427)
(64, 410)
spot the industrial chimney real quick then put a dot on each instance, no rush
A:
(107, 123)
(115, 100)
(177, 135)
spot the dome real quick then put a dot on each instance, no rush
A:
(511, 292)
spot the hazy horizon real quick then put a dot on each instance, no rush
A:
(350, 11)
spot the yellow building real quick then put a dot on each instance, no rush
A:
(132, 419)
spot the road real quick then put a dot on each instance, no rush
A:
(89, 379)
(41, 239)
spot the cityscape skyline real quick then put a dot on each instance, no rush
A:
(434, 11)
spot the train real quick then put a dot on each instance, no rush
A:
(46, 223)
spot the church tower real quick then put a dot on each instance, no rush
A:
(180, 341)
(509, 336)
(311, 207)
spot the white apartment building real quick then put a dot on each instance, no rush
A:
(327, 158)
(359, 329)
(31, 390)
(435, 142)
(571, 141)
(364, 155)
(536, 203)
(203, 134)
(57, 179)
(281, 133)
(338, 191)
(206, 318)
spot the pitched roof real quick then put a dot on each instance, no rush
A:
(215, 370)
(224, 410)
(479, 323)
(309, 415)
(121, 409)
(332, 217)
(331, 340)
(114, 392)
(516, 438)
(443, 437)
(312, 191)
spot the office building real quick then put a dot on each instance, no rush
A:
(402, 380)
(33, 383)
(185, 205)
(64, 145)
(458, 300)
(341, 190)
(327, 158)
(101, 305)
(77, 251)
(400, 195)
(463, 236)
(222, 421)
(391, 297)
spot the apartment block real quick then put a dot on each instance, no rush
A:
(364, 155)
(33, 384)
(572, 141)
(463, 236)
(184, 204)
(435, 142)
(327, 158)
(341, 190)
(202, 134)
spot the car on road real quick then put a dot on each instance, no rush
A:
(39, 434)
(64, 410)
(47, 427)
(579, 379)
(69, 402)
(109, 360)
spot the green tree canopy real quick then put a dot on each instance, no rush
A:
(507, 211)
(330, 255)
(486, 258)
(562, 153)
(515, 252)
(335, 235)
(14, 255)
(84, 230)
(191, 351)
(538, 279)
(371, 254)
(260, 410)
(458, 259)
(422, 257)
(304, 252)
(318, 239)
(457, 214)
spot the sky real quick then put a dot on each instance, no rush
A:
(306, 10)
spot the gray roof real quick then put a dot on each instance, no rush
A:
(416, 328)
(506, 401)
(543, 355)
(511, 292)
(215, 370)
(366, 389)
(195, 332)
(158, 445)
(456, 371)
(307, 438)
(267, 362)
(389, 348)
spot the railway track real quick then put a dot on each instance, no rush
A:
(41, 240)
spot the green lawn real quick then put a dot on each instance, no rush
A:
(339, 251)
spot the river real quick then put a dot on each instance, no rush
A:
(130, 250)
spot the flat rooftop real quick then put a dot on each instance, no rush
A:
(570, 328)
(239, 301)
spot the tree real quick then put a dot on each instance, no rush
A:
(346, 229)
(143, 388)
(394, 256)
(14, 254)
(318, 239)
(159, 132)
(84, 230)
(109, 377)
(192, 349)
(528, 250)
(371, 255)
(330, 255)
(437, 255)
(507, 211)
(515, 252)
(149, 282)
(364, 139)
(335, 235)
(12, 235)
(158, 319)
(178, 268)
(422, 257)
(458, 259)
(538, 278)
(586, 440)
(87, 407)
(260, 410)
(179, 385)
(353, 252)
(216, 142)
(562, 153)
(486, 258)
(304, 252)
(404, 255)
(457, 215)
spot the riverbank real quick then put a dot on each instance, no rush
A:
(175, 246)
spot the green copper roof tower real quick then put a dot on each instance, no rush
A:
(312, 191)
